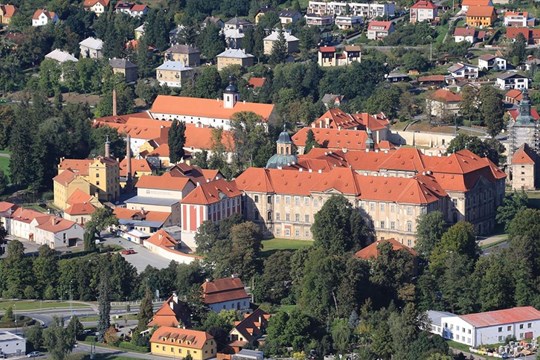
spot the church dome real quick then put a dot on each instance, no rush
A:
(284, 138)
(281, 160)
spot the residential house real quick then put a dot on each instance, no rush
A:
(491, 62)
(348, 22)
(466, 4)
(463, 71)
(289, 16)
(80, 207)
(296, 192)
(177, 342)
(367, 10)
(518, 19)
(186, 54)
(56, 232)
(249, 329)
(423, 10)
(213, 20)
(173, 313)
(371, 251)
(491, 327)
(378, 30)
(43, 17)
(234, 57)
(173, 73)
(132, 169)
(60, 56)
(233, 38)
(513, 32)
(256, 82)
(523, 169)
(212, 200)
(292, 42)
(333, 100)
(237, 23)
(443, 103)
(328, 56)
(512, 80)
(131, 9)
(138, 225)
(480, 16)
(96, 6)
(226, 294)
(6, 13)
(465, 34)
(124, 67)
(163, 244)
(319, 20)
(91, 48)
(262, 11)
(513, 96)
(432, 81)
(531, 63)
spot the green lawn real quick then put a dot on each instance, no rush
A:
(285, 244)
(4, 165)
(19, 305)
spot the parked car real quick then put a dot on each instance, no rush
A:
(33, 354)
(128, 252)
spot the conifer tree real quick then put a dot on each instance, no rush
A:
(104, 305)
(279, 49)
(176, 141)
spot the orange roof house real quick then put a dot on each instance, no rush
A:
(212, 192)
(173, 313)
(225, 294)
(256, 82)
(249, 329)
(372, 252)
(90, 3)
(335, 139)
(513, 96)
(6, 13)
(446, 96)
(469, 3)
(169, 341)
(336, 118)
(164, 182)
(480, 16)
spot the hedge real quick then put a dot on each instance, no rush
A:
(129, 346)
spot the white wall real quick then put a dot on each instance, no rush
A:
(14, 346)
(170, 254)
(241, 304)
(60, 239)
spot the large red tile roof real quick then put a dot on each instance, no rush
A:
(183, 337)
(209, 108)
(514, 94)
(501, 317)
(481, 11)
(84, 208)
(380, 24)
(137, 165)
(65, 177)
(7, 206)
(129, 214)
(512, 32)
(446, 95)
(222, 290)
(55, 224)
(372, 252)
(211, 192)
(476, 3)
(163, 182)
(424, 4)
(163, 239)
(257, 82)
(78, 196)
(27, 215)
(78, 166)
(333, 138)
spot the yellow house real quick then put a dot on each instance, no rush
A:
(65, 184)
(6, 13)
(480, 16)
(179, 343)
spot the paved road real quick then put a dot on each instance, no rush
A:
(142, 258)
(83, 348)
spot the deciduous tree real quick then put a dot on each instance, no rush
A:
(429, 230)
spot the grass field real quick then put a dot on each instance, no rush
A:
(4, 165)
(21, 305)
(285, 244)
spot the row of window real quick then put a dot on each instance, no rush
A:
(509, 327)
(288, 217)
(409, 225)
(297, 232)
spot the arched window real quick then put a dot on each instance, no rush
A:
(269, 216)
(409, 226)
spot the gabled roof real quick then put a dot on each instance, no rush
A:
(212, 192)
(121, 64)
(274, 36)
(163, 239)
(188, 338)
(512, 32)
(459, 66)
(235, 53)
(524, 156)
(56, 224)
(463, 31)
(174, 66)
(49, 14)
(151, 216)
(211, 108)
(432, 78)
(333, 138)
(476, 3)
(377, 25)
(481, 11)
(84, 208)
(8, 10)
(173, 313)
(524, 14)
(371, 251)
(222, 290)
(78, 196)
(61, 56)
(65, 177)
(256, 82)
(92, 43)
(182, 49)
(7, 206)
(163, 182)
(137, 165)
(139, 7)
(27, 215)
(501, 317)
(446, 96)
(514, 94)
(424, 4)
(253, 325)
(90, 3)
(289, 13)
(510, 75)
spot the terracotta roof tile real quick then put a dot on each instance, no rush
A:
(56, 224)
(446, 95)
(129, 214)
(501, 317)
(7, 206)
(9, 10)
(514, 94)
(481, 11)
(163, 239)
(524, 155)
(49, 14)
(383, 24)
(210, 192)
(253, 325)
(476, 3)
(78, 196)
(137, 166)
(424, 4)
(163, 182)
(224, 289)
(371, 251)
(90, 3)
(80, 209)
(257, 82)
(65, 177)
(198, 338)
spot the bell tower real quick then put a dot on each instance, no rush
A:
(230, 95)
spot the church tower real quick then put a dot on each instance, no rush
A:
(284, 155)
(525, 129)
(230, 95)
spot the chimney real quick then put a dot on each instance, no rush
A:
(114, 102)
(107, 148)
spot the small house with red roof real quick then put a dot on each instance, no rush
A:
(6, 13)
(490, 327)
(423, 10)
(523, 169)
(336, 118)
(226, 294)
(96, 6)
(177, 342)
(444, 102)
(43, 17)
(513, 96)
(80, 207)
(378, 30)
(249, 329)
(131, 9)
(173, 313)
(211, 200)
(56, 232)
(371, 251)
(163, 244)
(465, 34)
(328, 56)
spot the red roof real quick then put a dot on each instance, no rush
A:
(512, 32)
(327, 49)
(49, 14)
(446, 96)
(461, 31)
(163, 239)
(137, 165)
(7, 206)
(8, 10)
(334, 138)
(129, 214)
(524, 155)
(90, 3)
(80, 209)
(78, 196)
(514, 94)
(78, 166)
(210, 108)
(211, 192)
(514, 113)
(336, 118)
(424, 4)
(138, 7)
(371, 251)
(256, 82)
(481, 11)
(183, 337)
(516, 13)
(375, 25)
(163, 182)
(55, 224)
(501, 317)
(476, 3)
(222, 290)
(65, 177)
(432, 78)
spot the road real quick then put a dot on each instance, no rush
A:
(83, 348)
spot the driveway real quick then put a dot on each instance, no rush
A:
(142, 258)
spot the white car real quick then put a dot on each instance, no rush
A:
(33, 354)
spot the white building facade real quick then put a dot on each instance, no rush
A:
(367, 10)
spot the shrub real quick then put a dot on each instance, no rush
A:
(129, 346)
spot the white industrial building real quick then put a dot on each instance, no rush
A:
(12, 344)
(491, 327)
